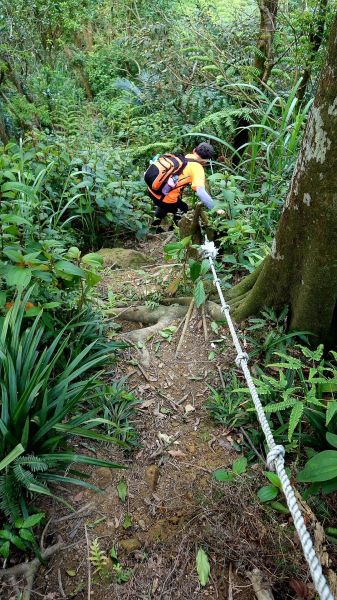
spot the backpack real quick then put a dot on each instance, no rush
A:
(161, 169)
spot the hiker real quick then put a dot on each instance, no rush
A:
(169, 174)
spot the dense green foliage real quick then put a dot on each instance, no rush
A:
(89, 93)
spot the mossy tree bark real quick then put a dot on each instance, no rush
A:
(264, 55)
(301, 270)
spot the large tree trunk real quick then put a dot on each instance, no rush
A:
(315, 40)
(301, 270)
(4, 137)
(80, 71)
(264, 54)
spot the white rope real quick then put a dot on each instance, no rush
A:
(275, 457)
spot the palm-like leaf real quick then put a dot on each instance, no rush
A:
(36, 397)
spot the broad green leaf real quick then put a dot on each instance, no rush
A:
(31, 521)
(14, 219)
(203, 567)
(173, 248)
(186, 241)
(273, 478)
(65, 266)
(222, 475)
(13, 254)
(330, 413)
(280, 507)
(51, 305)
(18, 276)
(199, 294)
(122, 490)
(16, 186)
(228, 196)
(195, 269)
(321, 467)
(267, 493)
(240, 465)
(328, 487)
(204, 266)
(331, 438)
(26, 534)
(92, 278)
(14, 539)
(93, 259)
(74, 253)
(4, 549)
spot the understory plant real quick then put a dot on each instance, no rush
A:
(117, 408)
(41, 409)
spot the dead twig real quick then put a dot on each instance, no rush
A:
(187, 319)
(89, 564)
(221, 378)
(247, 438)
(59, 578)
(145, 375)
(75, 514)
(29, 569)
(204, 322)
(230, 582)
(261, 589)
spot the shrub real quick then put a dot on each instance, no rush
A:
(41, 410)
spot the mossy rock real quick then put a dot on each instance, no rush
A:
(124, 258)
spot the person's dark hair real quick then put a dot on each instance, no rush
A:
(205, 150)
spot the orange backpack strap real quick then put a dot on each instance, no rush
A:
(161, 170)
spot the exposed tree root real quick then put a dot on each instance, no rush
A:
(187, 319)
(156, 319)
(29, 569)
(160, 317)
(242, 288)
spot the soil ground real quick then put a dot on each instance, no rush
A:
(173, 506)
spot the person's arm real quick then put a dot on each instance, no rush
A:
(204, 197)
(198, 185)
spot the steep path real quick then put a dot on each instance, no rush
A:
(173, 506)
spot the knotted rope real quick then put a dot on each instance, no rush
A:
(275, 456)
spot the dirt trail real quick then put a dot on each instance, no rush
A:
(173, 506)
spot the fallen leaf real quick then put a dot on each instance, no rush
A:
(122, 490)
(71, 572)
(224, 444)
(189, 408)
(172, 288)
(301, 589)
(176, 453)
(203, 567)
(78, 497)
(147, 403)
(163, 437)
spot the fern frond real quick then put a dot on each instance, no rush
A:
(224, 120)
(34, 463)
(277, 406)
(23, 476)
(9, 497)
(98, 557)
(65, 119)
(295, 417)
